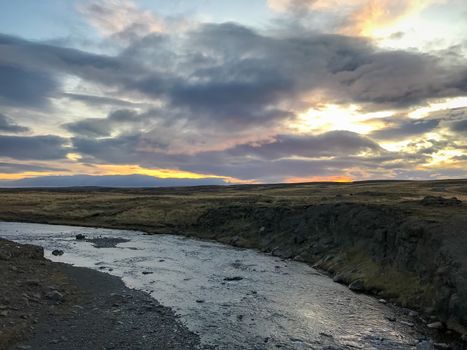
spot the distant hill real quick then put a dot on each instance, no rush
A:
(106, 181)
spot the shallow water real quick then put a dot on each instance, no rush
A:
(275, 304)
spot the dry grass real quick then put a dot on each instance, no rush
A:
(161, 210)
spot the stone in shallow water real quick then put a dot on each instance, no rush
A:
(235, 278)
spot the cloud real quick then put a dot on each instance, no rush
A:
(330, 144)
(245, 161)
(24, 87)
(13, 168)
(45, 147)
(398, 128)
(232, 76)
(8, 125)
(92, 127)
(354, 17)
(121, 19)
(459, 126)
(222, 98)
(455, 120)
(100, 127)
(99, 100)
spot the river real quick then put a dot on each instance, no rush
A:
(233, 298)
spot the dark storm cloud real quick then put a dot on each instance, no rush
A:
(397, 128)
(8, 125)
(92, 127)
(44, 62)
(227, 72)
(21, 86)
(240, 67)
(332, 143)
(45, 147)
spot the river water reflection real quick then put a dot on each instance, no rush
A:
(233, 298)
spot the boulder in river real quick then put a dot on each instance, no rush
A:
(235, 278)
(57, 252)
(80, 237)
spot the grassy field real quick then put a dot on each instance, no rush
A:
(169, 210)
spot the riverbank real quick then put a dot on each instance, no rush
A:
(405, 242)
(47, 305)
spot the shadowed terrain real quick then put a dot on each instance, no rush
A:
(47, 305)
(403, 241)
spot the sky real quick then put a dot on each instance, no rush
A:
(185, 92)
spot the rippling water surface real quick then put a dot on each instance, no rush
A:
(233, 298)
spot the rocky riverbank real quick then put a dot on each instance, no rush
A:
(46, 305)
(415, 261)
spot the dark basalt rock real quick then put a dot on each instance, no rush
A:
(235, 278)
(440, 201)
(357, 286)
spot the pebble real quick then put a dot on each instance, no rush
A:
(55, 295)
